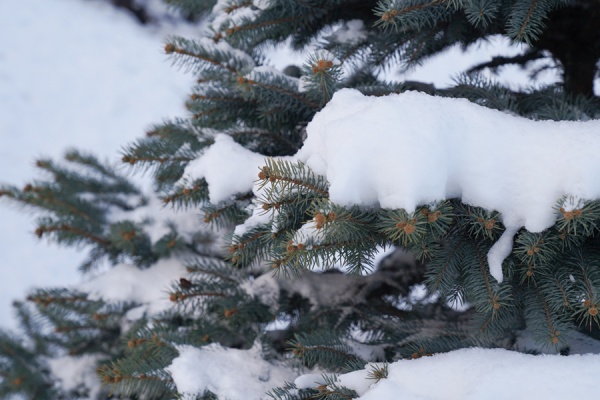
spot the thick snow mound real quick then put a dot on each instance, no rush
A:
(477, 374)
(400, 151)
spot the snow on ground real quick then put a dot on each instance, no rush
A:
(79, 74)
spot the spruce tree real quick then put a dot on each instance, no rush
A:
(273, 287)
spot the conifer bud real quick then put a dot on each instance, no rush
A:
(290, 247)
(229, 313)
(489, 224)
(169, 48)
(409, 229)
(319, 220)
(389, 16)
(127, 236)
(300, 246)
(173, 297)
(321, 66)
(131, 344)
(432, 217)
(593, 311)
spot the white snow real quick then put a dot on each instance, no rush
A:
(224, 176)
(351, 32)
(231, 374)
(476, 374)
(76, 372)
(126, 282)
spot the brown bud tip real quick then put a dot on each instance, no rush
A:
(401, 225)
(409, 229)
(529, 273)
(593, 311)
(171, 243)
(106, 379)
(127, 236)
(143, 376)
(568, 215)
(39, 232)
(28, 188)
(587, 303)
(261, 175)
(319, 220)
(229, 313)
(169, 48)
(266, 206)
(231, 249)
(18, 381)
(432, 217)
(331, 216)
(290, 247)
(187, 191)
(489, 224)
(300, 246)
(205, 338)
(415, 355)
(554, 340)
(321, 66)
(173, 297)
(241, 80)
(131, 344)
(496, 306)
(389, 16)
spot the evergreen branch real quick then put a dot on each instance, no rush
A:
(171, 48)
(295, 96)
(499, 61)
(71, 229)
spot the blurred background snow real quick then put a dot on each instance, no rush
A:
(84, 74)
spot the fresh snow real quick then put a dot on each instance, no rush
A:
(227, 167)
(231, 374)
(476, 374)
(74, 373)
(148, 287)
